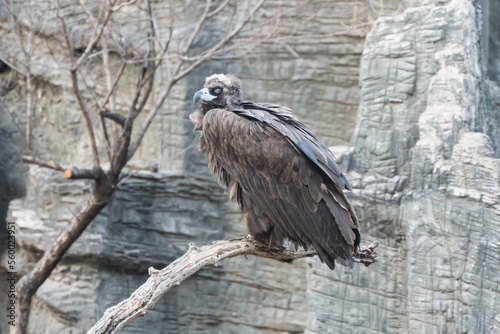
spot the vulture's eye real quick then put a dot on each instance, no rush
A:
(217, 90)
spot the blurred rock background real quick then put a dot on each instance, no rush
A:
(405, 92)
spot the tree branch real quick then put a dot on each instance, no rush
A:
(29, 283)
(45, 163)
(75, 173)
(95, 37)
(160, 282)
(178, 76)
(29, 93)
(12, 66)
(218, 47)
(70, 172)
(115, 117)
(76, 91)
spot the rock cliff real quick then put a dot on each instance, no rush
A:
(419, 138)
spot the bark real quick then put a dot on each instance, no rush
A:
(28, 284)
(161, 281)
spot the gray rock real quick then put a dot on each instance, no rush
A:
(428, 169)
(424, 162)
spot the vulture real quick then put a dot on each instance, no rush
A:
(284, 178)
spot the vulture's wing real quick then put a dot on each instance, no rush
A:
(279, 172)
(282, 119)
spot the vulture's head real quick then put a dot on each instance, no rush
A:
(219, 91)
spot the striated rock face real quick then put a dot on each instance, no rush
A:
(424, 162)
(425, 167)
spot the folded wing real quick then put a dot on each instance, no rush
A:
(284, 178)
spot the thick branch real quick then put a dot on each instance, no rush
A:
(119, 119)
(29, 283)
(75, 173)
(161, 281)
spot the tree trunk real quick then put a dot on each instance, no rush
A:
(30, 283)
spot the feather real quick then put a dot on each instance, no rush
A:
(342, 218)
(286, 174)
(284, 178)
(307, 199)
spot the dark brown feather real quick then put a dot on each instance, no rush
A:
(284, 178)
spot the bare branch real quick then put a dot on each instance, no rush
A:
(125, 4)
(197, 28)
(29, 283)
(110, 87)
(29, 93)
(76, 91)
(116, 318)
(27, 51)
(12, 66)
(218, 9)
(117, 118)
(94, 39)
(45, 163)
(217, 48)
(76, 173)
(29, 90)
(113, 86)
(178, 76)
(70, 172)
(142, 80)
(65, 34)
(138, 138)
(106, 135)
(88, 121)
(151, 168)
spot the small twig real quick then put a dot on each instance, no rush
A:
(202, 20)
(216, 49)
(113, 86)
(162, 281)
(125, 4)
(29, 92)
(94, 39)
(86, 116)
(110, 87)
(178, 74)
(106, 135)
(152, 169)
(12, 66)
(218, 9)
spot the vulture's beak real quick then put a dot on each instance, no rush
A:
(203, 95)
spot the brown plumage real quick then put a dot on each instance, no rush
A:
(285, 180)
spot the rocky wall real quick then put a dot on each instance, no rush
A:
(420, 141)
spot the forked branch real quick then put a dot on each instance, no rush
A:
(161, 281)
